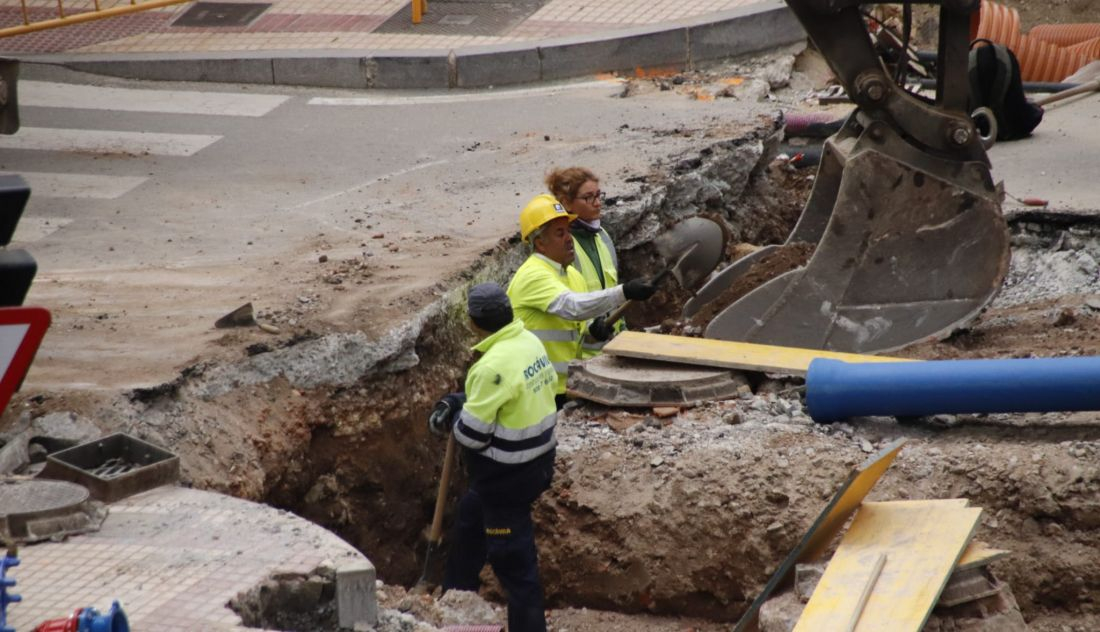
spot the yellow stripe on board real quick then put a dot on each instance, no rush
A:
(922, 542)
(745, 356)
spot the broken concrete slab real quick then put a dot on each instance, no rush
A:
(60, 430)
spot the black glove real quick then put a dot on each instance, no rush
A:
(600, 329)
(444, 414)
(639, 289)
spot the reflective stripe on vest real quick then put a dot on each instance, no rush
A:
(534, 286)
(510, 413)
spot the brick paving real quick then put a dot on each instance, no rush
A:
(173, 557)
(327, 24)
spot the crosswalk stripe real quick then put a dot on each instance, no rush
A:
(80, 185)
(32, 229)
(107, 142)
(65, 95)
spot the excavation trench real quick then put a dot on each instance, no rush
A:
(687, 515)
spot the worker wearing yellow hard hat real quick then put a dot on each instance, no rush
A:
(552, 298)
(578, 189)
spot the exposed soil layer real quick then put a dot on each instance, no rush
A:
(684, 516)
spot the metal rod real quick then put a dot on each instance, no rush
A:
(86, 17)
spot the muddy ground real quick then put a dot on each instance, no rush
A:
(654, 519)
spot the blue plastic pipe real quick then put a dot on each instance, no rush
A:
(837, 390)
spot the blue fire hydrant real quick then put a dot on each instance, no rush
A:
(6, 597)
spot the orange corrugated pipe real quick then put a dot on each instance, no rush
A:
(1090, 48)
(1065, 34)
(1039, 60)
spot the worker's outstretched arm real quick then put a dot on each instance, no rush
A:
(585, 305)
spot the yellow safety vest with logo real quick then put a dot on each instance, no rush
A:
(533, 288)
(509, 415)
(609, 263)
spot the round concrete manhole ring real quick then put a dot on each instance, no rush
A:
(36, 509)
(615, 381)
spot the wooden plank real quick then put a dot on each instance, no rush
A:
(832, 518)
(924, 541)
(865, 594)
(979, 554)
(744, 356)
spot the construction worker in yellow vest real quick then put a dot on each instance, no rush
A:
(552, 298)
(505, 425)
(578, 190)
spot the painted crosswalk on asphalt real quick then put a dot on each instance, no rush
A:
(94, 141)
(80, 185)
(65, 95)
(107, 142)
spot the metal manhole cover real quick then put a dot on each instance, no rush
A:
(38, 509)
(35, 496)
(221, 14)
(472, 17)
(614, 381)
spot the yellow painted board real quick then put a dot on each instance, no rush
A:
(829, 522)
(923, 542)
(745, 356)
(979, 554)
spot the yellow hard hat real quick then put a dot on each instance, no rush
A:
(541, 209)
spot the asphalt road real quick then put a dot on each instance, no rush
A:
(157, 208)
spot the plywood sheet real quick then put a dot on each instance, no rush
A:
(832, 518)
(922, 542)
(744, 356)
(979, 554)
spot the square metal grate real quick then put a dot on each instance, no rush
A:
(469, 17)
(221, 14)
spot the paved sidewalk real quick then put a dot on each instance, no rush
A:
(173, 557)
(347, 25)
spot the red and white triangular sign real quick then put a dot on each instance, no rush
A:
(21, 331)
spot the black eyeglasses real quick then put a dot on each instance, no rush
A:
(590, 198)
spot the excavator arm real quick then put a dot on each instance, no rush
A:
(910, 241)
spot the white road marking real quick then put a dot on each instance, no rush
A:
(80, 185)
(463, 97)
(66, 95)
(107, 142)
(369, 183)
(32, 229)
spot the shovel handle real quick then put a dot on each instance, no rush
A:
(617, 313)
(1091, 86)
(436, 532)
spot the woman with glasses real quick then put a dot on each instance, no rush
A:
(578, 190)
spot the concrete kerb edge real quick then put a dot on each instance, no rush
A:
(674, 45)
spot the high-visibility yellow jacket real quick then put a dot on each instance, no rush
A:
(509, 415)
(608, 264)
(554, 303)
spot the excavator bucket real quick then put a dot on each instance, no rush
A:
(905, 221)
(693, 248)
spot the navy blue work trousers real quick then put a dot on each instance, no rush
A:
(503, 535)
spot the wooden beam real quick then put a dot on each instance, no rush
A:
(744, 356)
